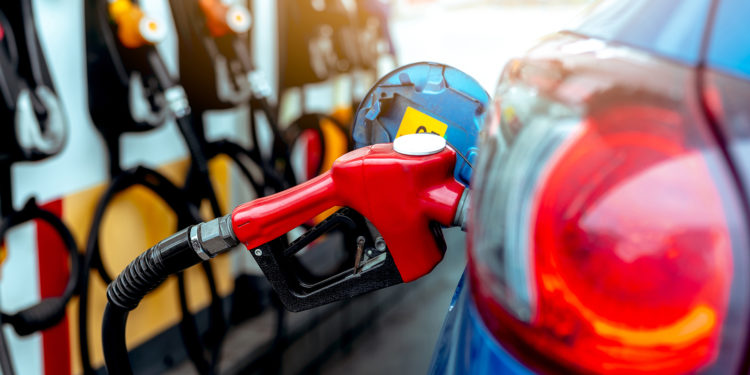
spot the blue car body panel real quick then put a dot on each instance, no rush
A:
(465, 346)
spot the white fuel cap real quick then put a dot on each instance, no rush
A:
(419, 144)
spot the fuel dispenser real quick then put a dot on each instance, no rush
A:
(218, 72)
(407, 190)
(131, 90)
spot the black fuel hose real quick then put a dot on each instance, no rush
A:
(204, 364)
(199, 174)
(201, 152)
(236, 153)
(113, 340)
(280, 150)
(240, 156)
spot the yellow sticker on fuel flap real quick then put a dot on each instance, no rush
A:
(415, 121)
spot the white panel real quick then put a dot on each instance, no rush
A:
(81, 163)
(318, 97)
(230, 124)
(265, 41)
(162, 12)
(161, 145)
(19, 288)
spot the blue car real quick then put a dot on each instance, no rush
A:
(609, 224)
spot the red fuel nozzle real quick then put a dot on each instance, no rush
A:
(401, 195)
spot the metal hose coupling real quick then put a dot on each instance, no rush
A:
(213, 238)
(177, 252)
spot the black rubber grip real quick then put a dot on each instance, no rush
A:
(140, 277)
(41, 316)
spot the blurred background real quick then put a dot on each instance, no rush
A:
(477, 37)
(316, 65)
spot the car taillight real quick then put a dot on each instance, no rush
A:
(602, 243)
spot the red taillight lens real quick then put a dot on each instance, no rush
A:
(622, 261)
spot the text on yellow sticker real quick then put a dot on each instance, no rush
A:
(415, 121)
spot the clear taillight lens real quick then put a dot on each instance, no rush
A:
(602, 243)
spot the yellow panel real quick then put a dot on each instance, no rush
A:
(3, 252)
(136, 220)
(335, 143)
(343, 115)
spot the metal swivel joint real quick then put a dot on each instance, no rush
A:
(213, 238)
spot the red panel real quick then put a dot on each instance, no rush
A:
(314, 157)
(53, 277)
